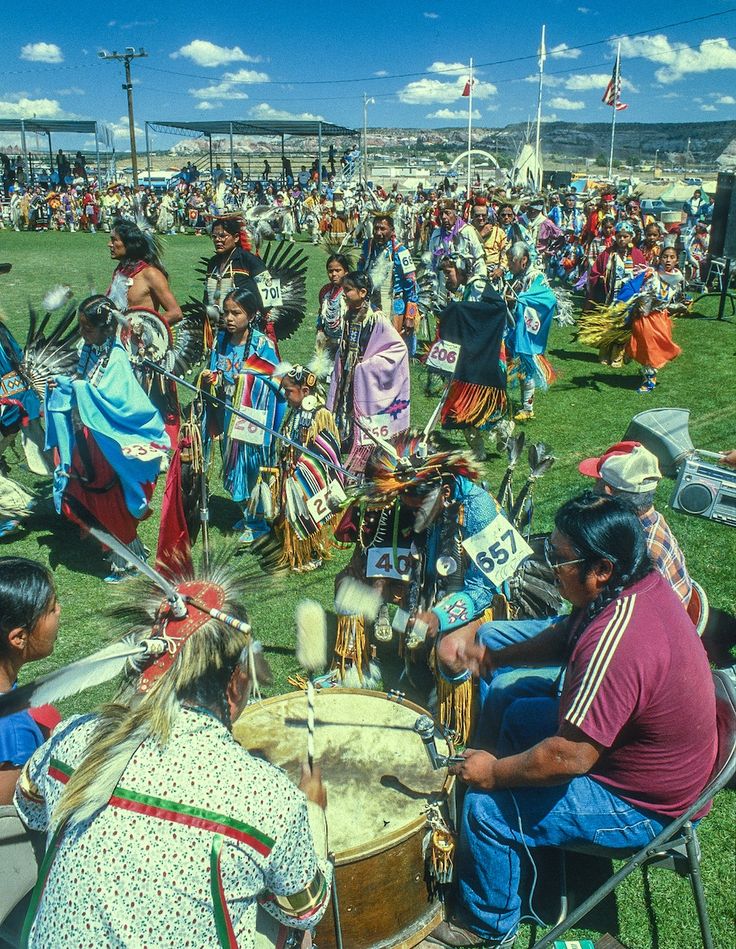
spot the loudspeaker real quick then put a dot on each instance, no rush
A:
(723, 226)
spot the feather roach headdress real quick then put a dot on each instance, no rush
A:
(414, 468)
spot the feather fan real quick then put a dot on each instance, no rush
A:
(288, 264)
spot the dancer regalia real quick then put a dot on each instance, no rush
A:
(306, 490)
(476, 398)
(370, 381)
(240, 373)
(415, 510)
(108, 437)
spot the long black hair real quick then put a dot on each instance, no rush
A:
(247, 298)
(98, 310)
(138, 246)
(360, 280)
(26, 593)
(603, 527)
(339, 259)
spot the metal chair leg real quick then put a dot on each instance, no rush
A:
(697, 885)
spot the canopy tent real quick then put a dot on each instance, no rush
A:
(305, 128)
(46, 127)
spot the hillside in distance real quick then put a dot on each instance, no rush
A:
(707, 140)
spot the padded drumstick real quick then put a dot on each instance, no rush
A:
(311, 654)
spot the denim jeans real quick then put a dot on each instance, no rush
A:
(510, 683)
(498, 826)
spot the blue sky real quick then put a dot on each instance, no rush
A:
(292, 60)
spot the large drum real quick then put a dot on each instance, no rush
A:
(379, 783)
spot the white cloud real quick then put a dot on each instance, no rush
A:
(563, 51)
(206, 106)
(582, 83)
(449, 69)
(218, 90)
(431, 16)
(246, 76)
(381, 72)
(453, 115)
(708, 108)
(71, 91)
(726, 100)
(42, 53)
(20, 106)
(264, 111)
(678, 60)
(429, 91)
(583, 10)
(120, 128)
(204, 53)
(568, 105)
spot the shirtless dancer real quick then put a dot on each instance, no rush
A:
(139, 279)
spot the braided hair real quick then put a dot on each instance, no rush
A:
(603, 527)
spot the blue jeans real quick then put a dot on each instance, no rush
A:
(510, 683)
(498, 826)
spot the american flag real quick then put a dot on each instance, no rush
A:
(612, 95)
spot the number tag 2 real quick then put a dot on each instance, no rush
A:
(378, 425)
(270, 290)
(381, 563)
(241, 430)
(497, 550)
(444, 356)
(318, 505)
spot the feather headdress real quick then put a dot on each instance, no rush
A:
(414, 469)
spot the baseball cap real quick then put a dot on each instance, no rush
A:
(625, 466)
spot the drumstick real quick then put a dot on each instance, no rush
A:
(311, 654)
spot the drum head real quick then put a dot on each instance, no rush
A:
(374, 765)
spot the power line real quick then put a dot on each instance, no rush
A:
(450, 70)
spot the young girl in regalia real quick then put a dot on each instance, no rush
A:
(309, 491)
(240, 373)
(332, 306)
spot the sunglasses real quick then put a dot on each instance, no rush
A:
(551, 557)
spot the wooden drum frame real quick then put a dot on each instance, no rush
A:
(382, 885)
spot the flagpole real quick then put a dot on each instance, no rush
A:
(616, 92)
(470, 126)
(542, 55)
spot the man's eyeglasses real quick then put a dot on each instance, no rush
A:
(551, 557)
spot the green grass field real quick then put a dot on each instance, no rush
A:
(587, 409)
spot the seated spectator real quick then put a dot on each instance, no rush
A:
(626, 749)
(29, 621)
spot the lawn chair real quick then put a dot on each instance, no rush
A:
(676, 846)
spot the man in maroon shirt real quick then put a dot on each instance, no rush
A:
(629, 746)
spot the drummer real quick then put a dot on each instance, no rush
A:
(164, 830)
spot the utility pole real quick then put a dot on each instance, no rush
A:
(367, 100)
(126, 57)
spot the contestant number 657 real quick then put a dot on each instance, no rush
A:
(498, 553)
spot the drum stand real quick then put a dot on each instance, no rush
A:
(335, 904)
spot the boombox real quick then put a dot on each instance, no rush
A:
(702, 488)
(707, 490)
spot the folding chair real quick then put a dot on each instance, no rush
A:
(677, 844)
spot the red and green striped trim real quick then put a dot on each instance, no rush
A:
(223, 923)
(185, 814)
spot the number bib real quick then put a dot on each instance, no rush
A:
(144, 451)
(242, 430)
(318, 505)
(497, 550)
(270, 289)
(443, 356)
(381, 563)
(378, 425)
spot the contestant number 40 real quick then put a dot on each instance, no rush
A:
(498, 549)
(382, 563)
(444, 356)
